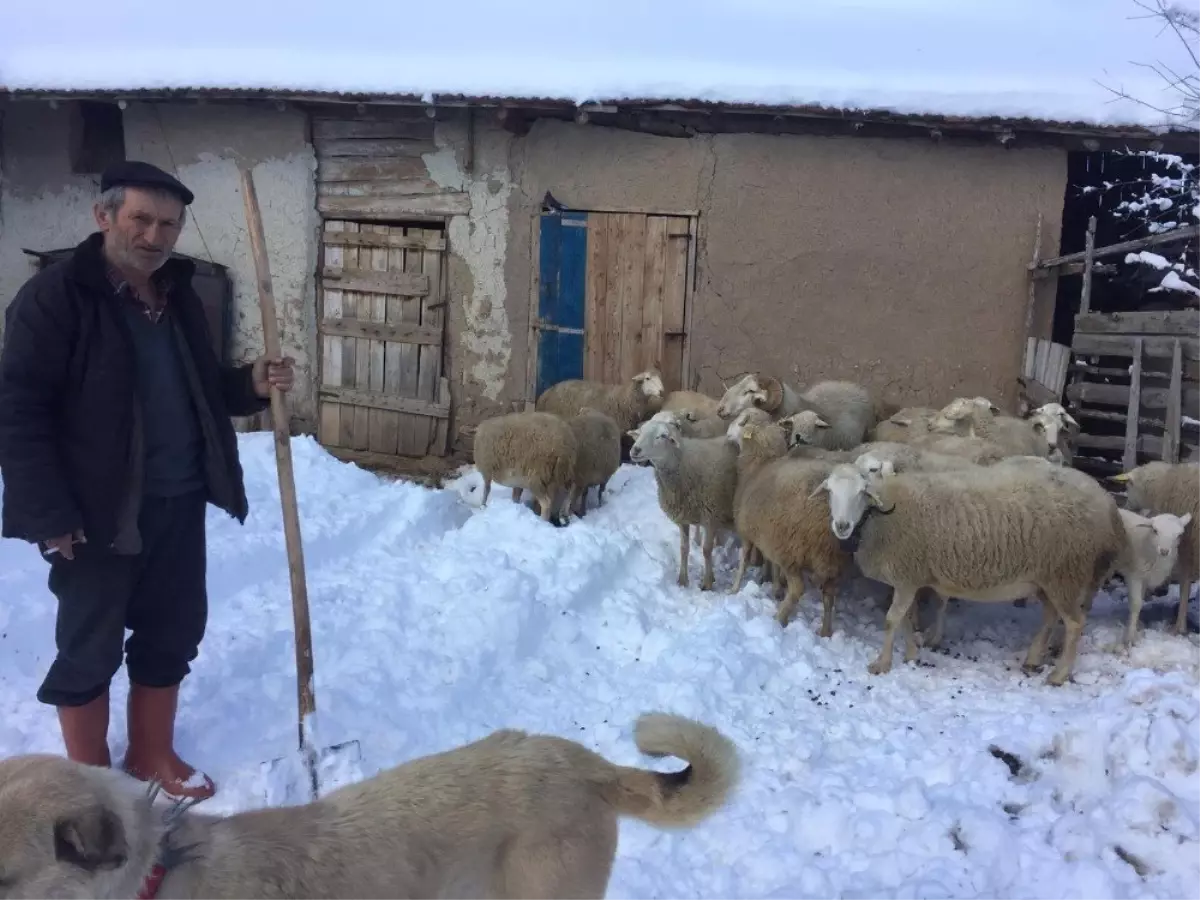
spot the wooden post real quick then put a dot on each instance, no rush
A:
(306, 696)
(1089, 260)
(1170, 440)
(1134, 410)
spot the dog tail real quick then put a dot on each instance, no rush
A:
(677, 799)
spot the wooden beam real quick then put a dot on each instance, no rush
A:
(1118, 395)
(1149, 444)
(352, 148)
(404, 284)
(377, 400)
(1187, 233)
(370, 169)
(410, 127)
(1089, 260)
(373, 239)
(1122, 345)
(404, 332)
(452, 203)
(1181, 321)
(1129, 460)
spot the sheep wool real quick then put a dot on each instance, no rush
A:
(533, 451)
(989, 534)
(1162, 487)
(598, 454)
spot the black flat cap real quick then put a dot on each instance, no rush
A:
(134, 173)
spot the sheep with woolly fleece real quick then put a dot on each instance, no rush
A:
(696, 479)
(1162, 487)
(970, 418)
(846, 410)
(781, 511)
(628, 404)
(903, 425)
(986, 534)
(899, 457)
(597, 455)
(533, 451)
(772, 444)
(1150, 558)
(691, 401)
(973, 449)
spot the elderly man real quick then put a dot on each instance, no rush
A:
(114, 437)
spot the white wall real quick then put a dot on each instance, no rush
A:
(44, 207)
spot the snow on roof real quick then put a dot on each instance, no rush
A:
(1048, 60)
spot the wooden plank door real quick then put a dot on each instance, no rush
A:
(381, 327)
(612, 296)
(562, 262)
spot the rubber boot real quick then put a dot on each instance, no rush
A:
(151, 753)
(85, 731)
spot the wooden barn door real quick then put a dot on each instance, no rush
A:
(381, 327)
(612, 296)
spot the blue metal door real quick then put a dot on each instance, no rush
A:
(561, 297)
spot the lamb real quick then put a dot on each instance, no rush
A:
(691, 401)
(533, 451)
(1162, 487)
(846, 408)
(971, 418)
(781, 512)
(1150, 558)
(597, 454)
(984, 534)
(696, 480)
(627, 404)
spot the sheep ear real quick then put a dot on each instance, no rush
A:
(634, 433)
(1069, 419)
(994, 408)
(887, 467)
(820, 423)
(1039, 427)
(823, 486)
(1185, 519)
(873, 496)
(747, 432)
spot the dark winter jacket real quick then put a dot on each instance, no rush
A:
(70, 446)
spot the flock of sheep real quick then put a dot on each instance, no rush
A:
(830, 483)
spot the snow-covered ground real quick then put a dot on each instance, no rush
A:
(435, 622)
(1043, 59)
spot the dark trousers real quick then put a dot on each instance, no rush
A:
(159, 595)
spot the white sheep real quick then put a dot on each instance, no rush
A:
(847, 409)
(1163, 487)
(691, 401)
(696, 479)
(985, 534)
(977, 418)
(1150, 558)
(1056, 423)
(598, 454)
(533, 451)
(627, 404)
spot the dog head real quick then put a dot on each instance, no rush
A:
(70, 830)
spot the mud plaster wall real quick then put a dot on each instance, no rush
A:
(900, 264)
(43, 206)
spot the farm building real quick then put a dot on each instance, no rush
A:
(442, 257)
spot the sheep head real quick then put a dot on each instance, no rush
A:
(651, 383)
(802, 427)
(852, 495)
(1168, 530)
(748, 416)
(875, 466)
(958, 416)
(655, 441)
(753, 390)
(1051, 419)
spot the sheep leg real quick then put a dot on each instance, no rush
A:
(1185, 595)
(1137, 596)
(684, 543)
(743, 560)
(939, 625)
(487, 489)
(710, 536)
(1037, 648)
(778, 576)
(516, 495)
(1073, 625)
(828, 596)
(795, 589)
(897, 617)
(600, 493)
(569, 503)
